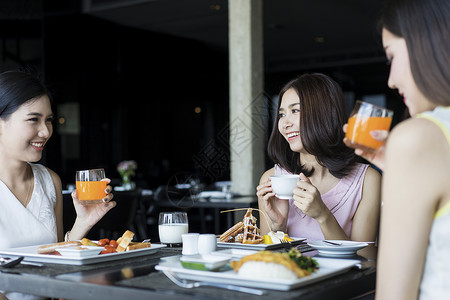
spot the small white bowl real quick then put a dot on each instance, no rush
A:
(284, 185)
(80, 251)
(206, 262)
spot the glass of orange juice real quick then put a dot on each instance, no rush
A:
(364, 118)
(90, 187)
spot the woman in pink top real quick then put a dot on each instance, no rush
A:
(337, 197)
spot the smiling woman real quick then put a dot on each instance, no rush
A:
(30, 194)
(336, 197)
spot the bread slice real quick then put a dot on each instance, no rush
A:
(125, 241)
(135, 246)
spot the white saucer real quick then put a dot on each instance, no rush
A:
(347, 248)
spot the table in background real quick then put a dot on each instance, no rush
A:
(138, 211)
(136, 278)
(217, 205)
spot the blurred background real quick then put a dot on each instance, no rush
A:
(148, 80)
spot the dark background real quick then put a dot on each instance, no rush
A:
(137, 89)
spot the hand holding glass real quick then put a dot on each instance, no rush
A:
(365, 118)
(90, 186)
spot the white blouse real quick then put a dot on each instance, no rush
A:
(32, 225)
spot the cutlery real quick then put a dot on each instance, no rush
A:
(332, 243)
(10, 262)
(287, 245)
(340, 244)
(189, 285)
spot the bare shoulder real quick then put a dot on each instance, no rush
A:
(267, 175)
(372, 175)
(418, 146)
(417, 136)
(56, 179)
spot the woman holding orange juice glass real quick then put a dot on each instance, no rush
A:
(413, 259)
(337, 197)
(31, 194)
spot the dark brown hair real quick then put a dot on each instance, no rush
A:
(322, 115)
(425, 26)
(18, 87)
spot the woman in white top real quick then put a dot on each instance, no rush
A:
(414, 252)
(30, 194)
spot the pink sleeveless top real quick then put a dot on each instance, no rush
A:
(342, 201)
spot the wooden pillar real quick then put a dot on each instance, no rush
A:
(246, 94)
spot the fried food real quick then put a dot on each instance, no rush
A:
(125, 241)
(229, 235)
(266, 270)
(245, 231)
(47, 249)
(134, 246)
(87, 242)
(251, 230)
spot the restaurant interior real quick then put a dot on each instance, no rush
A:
(148, 81)
(147, 84)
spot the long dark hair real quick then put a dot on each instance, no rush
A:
(425, 26)
(18, 87)
(322, 115)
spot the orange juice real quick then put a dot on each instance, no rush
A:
(359, 127)
(91, 190)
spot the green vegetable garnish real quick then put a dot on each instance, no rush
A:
(304, 262)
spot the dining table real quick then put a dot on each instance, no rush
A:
(137, 278)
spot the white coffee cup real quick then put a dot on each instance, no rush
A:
(207, 243)
(190, 243)
(284, 185)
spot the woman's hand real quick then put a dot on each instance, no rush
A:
(276, 209)
(376, 158)
(90, 214)
(307, 198)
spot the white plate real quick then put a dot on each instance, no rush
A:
(80, 251)
(347, 248)
(327, 268)
(204, 262)
(30, 254)
(261, 246)
(233, 253)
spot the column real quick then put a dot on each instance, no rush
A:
(247, 145)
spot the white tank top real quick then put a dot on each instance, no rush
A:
(436, 275)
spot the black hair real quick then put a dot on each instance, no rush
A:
(18, 87)
(322, 116)
(425, 26)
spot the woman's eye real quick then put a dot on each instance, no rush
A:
(50, 120)
(295, 110)
(280, 115)
(33, 119)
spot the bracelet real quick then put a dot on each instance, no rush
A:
(66, 237)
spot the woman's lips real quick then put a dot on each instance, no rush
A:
(39, 146)
(292, 135)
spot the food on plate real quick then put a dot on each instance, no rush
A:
(125, 240)
(47, 249)
(122, 244)
(270, 265)
(276, 237)
(103, 242)
(87, 242)
(230, 235)
(245, 231)
(134, 246)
